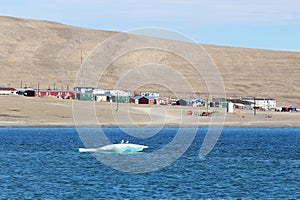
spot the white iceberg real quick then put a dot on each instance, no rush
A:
(117, 148)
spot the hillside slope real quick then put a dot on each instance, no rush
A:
(34, 51)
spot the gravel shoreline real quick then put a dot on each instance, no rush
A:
(19, 111)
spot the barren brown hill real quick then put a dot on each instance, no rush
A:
(34, 51)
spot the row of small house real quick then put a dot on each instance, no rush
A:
(100, 95)
(31, 92)
(245, 103)
(120, 96)
(250, 103)
(95, 94)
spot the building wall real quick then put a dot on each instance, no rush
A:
(30, 93)
(263, 103)
(54, 93)
(266, 103)
(101, 98)
(230, 107)
(86, 97)
(120, 99)
(120, 93)
(182, 102)
(143, 100)
(161, 101)
(100, 91)
(84, 89)
(133, 100)
(6, 92)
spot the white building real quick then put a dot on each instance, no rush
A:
(7, 91)
(266, 104)
(100, 91)
(150, 94)
(230, 107)
(120, 93)
(86, 90)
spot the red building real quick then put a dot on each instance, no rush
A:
(65, 94)
(161, 100)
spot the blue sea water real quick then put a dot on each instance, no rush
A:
(246, 163)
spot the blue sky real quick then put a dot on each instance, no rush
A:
(266, 24)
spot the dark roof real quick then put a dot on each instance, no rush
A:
(7, 89)
(192, 99)
(139, 97)
(85, 87)
(103, 95)
(251, 99)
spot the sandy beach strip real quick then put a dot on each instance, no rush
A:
(20, 111)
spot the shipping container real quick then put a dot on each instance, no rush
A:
(120, 99)
(86, 97)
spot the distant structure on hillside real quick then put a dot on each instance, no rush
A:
(150, 94)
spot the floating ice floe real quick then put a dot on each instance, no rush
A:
(117, 148)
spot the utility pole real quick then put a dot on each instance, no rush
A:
(117, 101)
(254, 107)
(207, 106)
(38, 87)
(81, 67)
